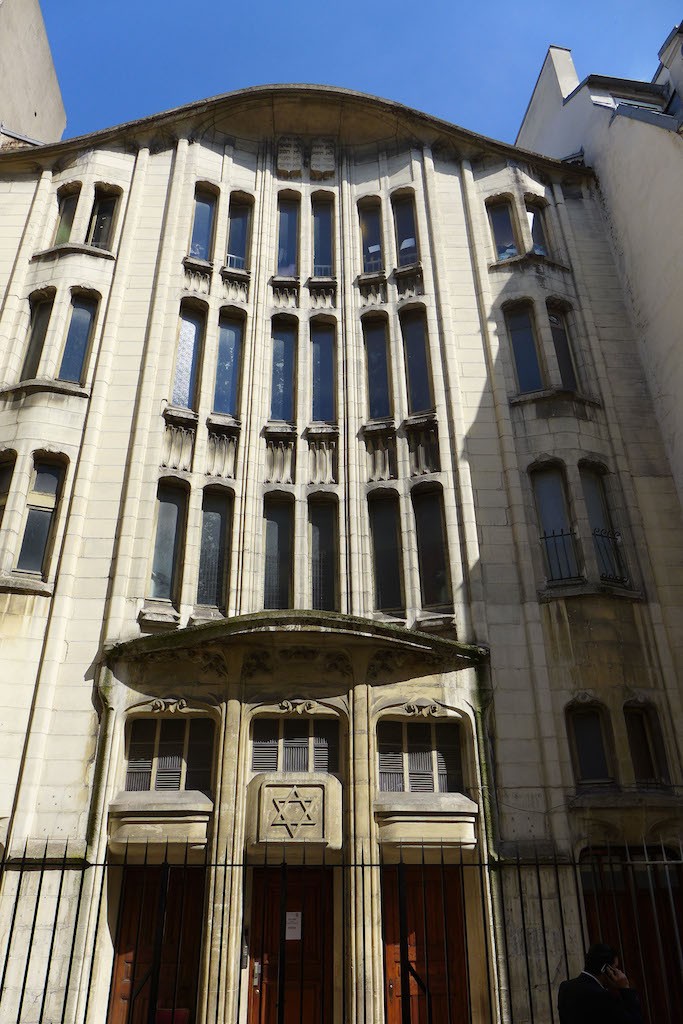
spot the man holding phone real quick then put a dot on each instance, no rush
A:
(601, 994)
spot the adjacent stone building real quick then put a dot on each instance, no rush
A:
(340, 582)
(31, 105)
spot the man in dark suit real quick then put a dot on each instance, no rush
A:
(601, 994)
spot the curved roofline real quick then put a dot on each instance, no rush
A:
(198, 107)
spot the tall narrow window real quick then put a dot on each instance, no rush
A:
(188, 358)
(238, 235)
(416, 757)
(101, 226)
(170, 755)
(385, 529)
(228, 366)
(7, 461)
(77, 339)
(166, 565)
(523, 339)
(323, 258)
(284, 364)
(42, 502)
(323, 370)
(536, 215)
(322, 517)
(432, 549)
(606, 540)
(504, 238)
(68, 201)
(646, 745)
(215, 546)
(202, 225)
(557, 536)
(288, 238)
(371, 236)
(295, 745)
(378, 368)
(41, 310)
(417, 363)
(563, 349)
(589, 748)
(406, 232)
(279, 543)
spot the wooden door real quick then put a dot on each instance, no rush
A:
(425, 964)
(157, 946)
(290, 944)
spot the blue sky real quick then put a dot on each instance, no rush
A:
(474, 64)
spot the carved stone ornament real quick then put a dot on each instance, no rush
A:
(301, 707)
(584, 697)
(425, 709)
(338, 661)
(169, 704)
(256, 662)
(299, 653)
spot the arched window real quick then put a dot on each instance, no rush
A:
(370, 215)
(41, 311)
(68, 201)
(323, 371)
(239, 232)
(606, 539)
(170, 754)
(588, 730)
(646, 745)
(503, 230)
(557, 536)
(7, 461)
(288, 235)
(563, 349)
(406, 230)
(432, 549)
(188, 357)
(522, 334)
(535, 211)
(214, 552)
(201, 243)
(385, 531)
(324, 553)
(169, 542)
(377, 361)
(323, 235)
(228, 364)
(416, 349)
(295, 745)
(278, 514)
(42, 504)
(282, 394)
(78, 338)
(101, 226)
(419, 757)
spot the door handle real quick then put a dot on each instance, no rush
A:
(391, 990)
(256, 980)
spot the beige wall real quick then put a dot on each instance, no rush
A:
(30, 99)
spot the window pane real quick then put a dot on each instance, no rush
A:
(371, 235)
(295, 746)
(503, 233)
(406, 235)
(524, 350)
(385, 529)
(640, 745)
(556, 535)
(140, 755)
(187, 360)
(48, 479)
(417, 364)
(170, 755)
(36, 535)
(228, 367)
(238, 236)
(200, 755)
(6, 470)
(323, 519)
(170, 522)
(264, 750)
(212, 555)
(101, 222)
(288, 238)
(40, 317)
(558, 327)
(390, 751)
(448, 758)
(322, 358)
(590, 746)
(278, 569)
(322, 240)
(202, 229)
(540, 245)
(67, 210)
(606, 540)
(431, 549)
(378, 370)
(282, 390)
(77, 339)
(325, 746)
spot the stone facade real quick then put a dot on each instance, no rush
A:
(31, 105)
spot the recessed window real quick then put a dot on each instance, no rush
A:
(323, 372)
(557, 536)
(418, 376)
(406, 232)
(563, 349)
(416, 757)
(288, 238)
(168, 755)
(588, 738)
(432, 550)
(536, 215)
(524, 349)
(188, 358)
(239, 231)
(83, 311)
(322, 518)
(170, 531)
(284, 365)
(323, 253)
(6, 470)
(295, 745)
(371, 237)
(68, 201)
(215, 547)
(606, 539)
(228, 366)
(377, 358)
(646, 745)
(42, 503)
(202, 225)
(279, 545)
(385, 530)
(502, 229)
(101, 226)
(41, 310)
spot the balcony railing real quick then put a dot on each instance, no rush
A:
(560, 556)
(611, 562)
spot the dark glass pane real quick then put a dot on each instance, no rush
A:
(48, 479)
(417, 364)
(36, 536)
(325, 746)
(323, 265)
(288, 238)
(431, 549)
(228, 367)
(590, 746)
(187, 360)
(390, 754)
(448, 758)
(264, 749)
(503, 233)
(563, 351)
(640, 745)
(322, 358)
(171, 512)
(40, 317)
(540, 245)
(371, 234)
(67, 209)
(6, 470)
(140, 755)
(170, 755)
(200, 756)
(282, 390)
(406, 235)
(202, 228)
(556, 534)
(278, 569)
(213, 551)
(524, 350)
(378, 370)
(77, 339)
(295, 746)
(238, 236)
(323, 519)
(385, 529)
(101, 222)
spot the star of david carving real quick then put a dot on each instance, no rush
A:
(292, 823)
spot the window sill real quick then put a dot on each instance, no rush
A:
(224, 422)
(436, 622)
(386, 426)
(159, 820)
(420, 419)
(183, 417)
(284, 281)
(37, 385)
(276, 430)
(426, 819)
(322, 430)
(155, 616)
(392, 619)
(205, 613)
(27, 583)
(527, 259)
(611, 796)
(321, 282)
(198, 266)
(585, 588)
(55, 251)
(372, 277)
(235, 274)
(409, 269)
(552, 394)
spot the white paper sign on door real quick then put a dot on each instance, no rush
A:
(293, 925)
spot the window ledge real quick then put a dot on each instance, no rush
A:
(409, 269)
(549, 394)
(399, 619)
(372, 277)
(421, 419)
(158, 615)
(322, 430)
(47, 384)
(197, 265)
(321, 282)
(585, 588)
(379, 427)
(224, 422)
(612, 796)
(176, 414)
(527, 259)
(205, 613)
(274, 430)
(426, 819)
(157, 820)
(436, 622)
(71, 247)
(28, 583)
(235, 274)
(282, 281)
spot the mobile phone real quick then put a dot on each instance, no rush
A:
(606, 969)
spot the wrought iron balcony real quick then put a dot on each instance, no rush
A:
(560, 556)
(611, 562)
